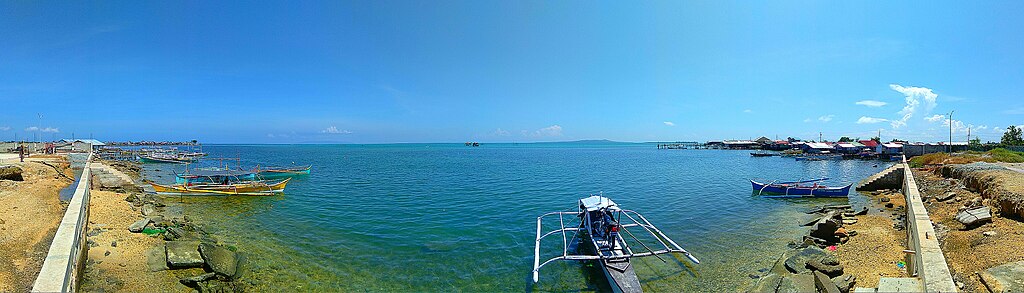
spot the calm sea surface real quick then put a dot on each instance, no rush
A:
(429, 217)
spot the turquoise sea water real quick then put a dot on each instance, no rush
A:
(429, 217)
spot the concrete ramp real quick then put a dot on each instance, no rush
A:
(890, 178)
(109, 176)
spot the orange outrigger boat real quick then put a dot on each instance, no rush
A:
(240, 188)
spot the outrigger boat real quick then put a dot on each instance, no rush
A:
(601, 227)
(237, 188)
(282, 172)
(799, 189)
(214, 175)
(165, 159)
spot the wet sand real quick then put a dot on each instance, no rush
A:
(30, 212)
(876, 249)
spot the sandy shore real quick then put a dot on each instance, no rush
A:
(123, 267)
(30, 212)
(876, 249)
(969, 251)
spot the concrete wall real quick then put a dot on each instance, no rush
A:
(927, 261)
(917, 150)
(64, 261)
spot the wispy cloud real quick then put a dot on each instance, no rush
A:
(669, 123)
(500, 132)
(5, 128)
(808, 120)
(934, 118)
(871, 103)
(919, 100)
(748, 111)
(870, 120)
(1015, 111)
(334, 130)
(826, 118)
(42, 129)
(550, 131)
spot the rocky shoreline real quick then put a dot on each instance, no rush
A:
(176, 246)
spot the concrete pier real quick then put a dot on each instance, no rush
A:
(62, 267)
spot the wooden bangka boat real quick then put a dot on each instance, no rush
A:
(282, 172)
(601, 231)
(799, 189)
(217, 175)
(240, 188)
(164, 159)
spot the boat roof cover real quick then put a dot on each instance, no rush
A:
(597, 202)
(204, 173)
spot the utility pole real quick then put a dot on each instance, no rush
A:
(951, 131)
(819, 136)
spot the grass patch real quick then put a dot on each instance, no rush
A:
(995, 155)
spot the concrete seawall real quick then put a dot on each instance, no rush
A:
(927, 261)
(63, 264)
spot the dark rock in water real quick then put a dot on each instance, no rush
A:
(768, 284)
(156, 219)
(797, 263)
(10, 172)
(156, 259)
(106, 253)
(799, 283)
(220, 286)
(194, 281)
(830, 270)
(221, 260)
(131, 198)
(845, 282)
(763, 270)
(754, 276)
(113, 243)
(183, 254)
(174, 213)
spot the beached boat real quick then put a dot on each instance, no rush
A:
(799, 189)
(282, 172)
(601, 232)
(240, 188)
(763, 154)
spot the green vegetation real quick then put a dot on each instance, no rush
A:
(845, 139)
(1012, 136)
(992, 156)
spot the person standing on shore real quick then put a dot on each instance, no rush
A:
(21, 152)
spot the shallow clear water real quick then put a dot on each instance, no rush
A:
(428, 217)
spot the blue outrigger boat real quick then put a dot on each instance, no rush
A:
(799, 189)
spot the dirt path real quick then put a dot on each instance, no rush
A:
(122, 267)
(30, 212)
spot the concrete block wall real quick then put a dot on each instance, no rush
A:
(927, 261)
(64, 260)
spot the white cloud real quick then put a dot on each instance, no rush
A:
(748, 111)
(47, 129)
(5, 128)
(553, 130)
(981, 127)
(997, 130)
(870, 120)
(919, 101)
(871, 103)
(669, 123)
(808, 120)
(826, 118)
(934, 118)
(1015, 111)
(500, 132)
(335, 130)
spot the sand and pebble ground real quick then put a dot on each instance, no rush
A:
(969, 251)
(878, 247)
(30, 212)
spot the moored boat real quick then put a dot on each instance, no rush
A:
(214, 175)
(282, 172)
(799, 189)
(164, 159)
(239, 188)
(601, 230)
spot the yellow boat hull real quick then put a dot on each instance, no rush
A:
(248, 188)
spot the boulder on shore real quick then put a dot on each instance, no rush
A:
(845, 282)
(11, 172)
(183, 254)
(138, 226)
(1004, 278)
(974, 217)
(220, 260)
(797, 261)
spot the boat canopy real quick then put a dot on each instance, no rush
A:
(597, 202)
(214, 173)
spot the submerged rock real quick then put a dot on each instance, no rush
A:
(798, 283)
(194, 281)
(220, 260)
(797, 262)
(183, 254)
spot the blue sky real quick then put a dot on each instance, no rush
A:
(495, 71)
